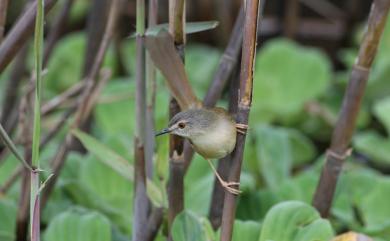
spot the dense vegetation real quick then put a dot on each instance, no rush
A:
(296, 98)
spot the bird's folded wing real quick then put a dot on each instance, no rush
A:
(163, 53)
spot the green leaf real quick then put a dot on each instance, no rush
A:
(295, 221)
(64, 65)
(287, 76)
(120, 165)
(274, 154)
(191, 27)
(246, 230)
(382, 112)
(302, 148)
(8, 211)
(375, 208)
(79, 225)
(106, 155)
(374, 146)
(117, 208)
(110, 115)
(187, 227)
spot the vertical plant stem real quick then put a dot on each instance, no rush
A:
(176, 158)
(244, 104)
(141, 203)
(3, 17)
(345, 125)
(34, 181)
(151, 82)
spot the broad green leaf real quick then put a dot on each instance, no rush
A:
(115, 116)
(295, 221)
(106, 155)
(64, 67)
(120, 165)
(187, 227)
(8, 211)
(191, 27)
(79, 225)
(374, 146)
(382, 112)
(82, 195)
(287, 76)
(302, 149)
(274, 154)
(375, 209)
(301, 187)
(246, 230)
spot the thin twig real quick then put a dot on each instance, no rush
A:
(3, 17)
(345, 125)
(244, 104)
(97, 20)
(11, 90)
(86, 101)
(61, 98)
(20, 33)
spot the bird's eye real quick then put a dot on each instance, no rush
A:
(182, 125)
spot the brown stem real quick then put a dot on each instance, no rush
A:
(52, 104)
(291, 20)
(244, 104)
(351, 104)
(20, 33)
(85, 103)
(97, 20)
(154, 222)
(3, 17)
(11, 90)
(141, 202)
(218, 195)
(176, 161)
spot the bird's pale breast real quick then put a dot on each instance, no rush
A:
(216, 142)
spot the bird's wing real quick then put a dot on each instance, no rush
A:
(163, 53)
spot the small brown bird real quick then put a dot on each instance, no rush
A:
(211, 131)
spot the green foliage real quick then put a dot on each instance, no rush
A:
(187, 227)
(79, 225)
(8, 211)
(287, 76)
(248, 231)
(295, 221)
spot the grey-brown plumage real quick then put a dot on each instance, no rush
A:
(211, 131)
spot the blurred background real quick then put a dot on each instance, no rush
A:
(305, 52)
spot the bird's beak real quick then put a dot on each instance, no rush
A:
(164, 131)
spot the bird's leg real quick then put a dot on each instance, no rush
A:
(226, 185)
(242, 128)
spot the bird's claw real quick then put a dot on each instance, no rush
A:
(242, 128)
(228, 187)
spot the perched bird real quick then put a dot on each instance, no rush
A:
(211, 131)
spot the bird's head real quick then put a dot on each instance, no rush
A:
(188, 124)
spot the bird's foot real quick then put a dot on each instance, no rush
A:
(228, 187)
(242, 128)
